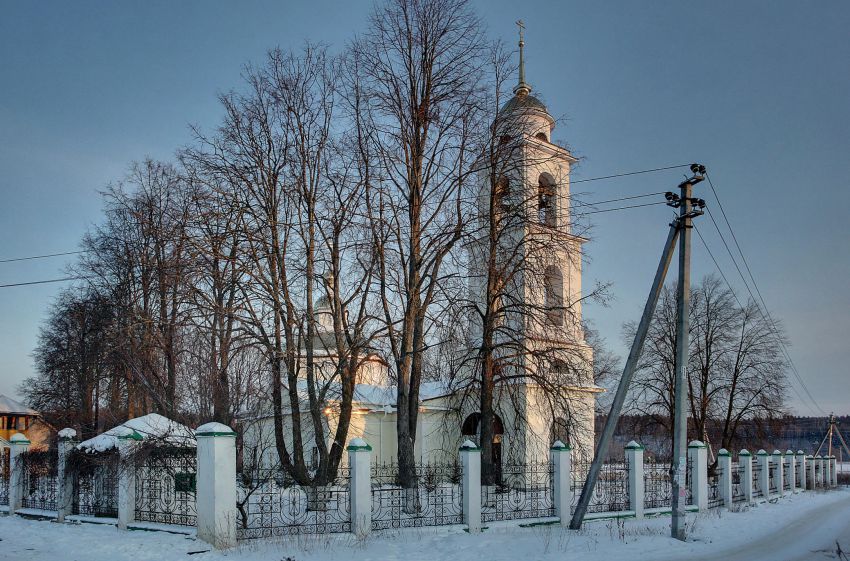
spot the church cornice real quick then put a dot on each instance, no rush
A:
(535, 228)
(528, 141)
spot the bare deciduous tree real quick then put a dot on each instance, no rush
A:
(735, 371)
(420, 64)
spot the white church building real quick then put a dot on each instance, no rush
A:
(528, 419)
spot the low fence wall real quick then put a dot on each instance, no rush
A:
(271, 505)
(200, 488)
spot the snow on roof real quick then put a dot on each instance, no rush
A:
(147, 427)
(364, 395)
(9, 406)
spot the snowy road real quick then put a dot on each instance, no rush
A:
(803, 527)
(805, 538)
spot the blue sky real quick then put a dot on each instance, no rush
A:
(759, 92)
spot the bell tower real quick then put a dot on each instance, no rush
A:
(531, 175)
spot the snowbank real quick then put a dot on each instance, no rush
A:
(802, 527)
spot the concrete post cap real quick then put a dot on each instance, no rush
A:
(632, 445)
(801, 453)
(789, 452)
(558, 445)
(775, 452)
(696, 444)
(723, 452)
(744, 452)
(214, 429)
(18, 438)
(818, 457)
(67, 434)
(761, 453)
(358, 444)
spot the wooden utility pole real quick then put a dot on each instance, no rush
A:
(831, 432)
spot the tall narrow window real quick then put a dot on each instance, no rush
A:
(546, 200)
(554, 295)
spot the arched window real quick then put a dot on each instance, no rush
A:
(554, 295)
(471, 423)
(560, 431)
(546, 200)
(542, 136)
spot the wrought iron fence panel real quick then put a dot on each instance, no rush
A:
(95, 483)
(39, 484)
(771, 480)
(270, 504)
(757, 490)
(737, 487)
(435, 500)
(4, 478)
(657, 485)
(165, 487)
(611, 492)
(689, 492)
(714, 497)
(521, 491)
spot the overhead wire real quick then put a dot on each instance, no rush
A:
(628, 173)
(760, 302)
(735, 295)
(31, 257)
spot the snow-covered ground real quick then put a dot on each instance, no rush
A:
(802, 527)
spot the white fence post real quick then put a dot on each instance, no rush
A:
(216, 485)
(698, 458)
(801, 469)
(724, 462)
(818, 471)
(810, 471)
(127, 477)
(791, 471)
(834, 472)
(745, 461)
(763, 458)
(562, 489)
(470, 459)
(360, 486)
(778, 473)
(634, 455)
(18, 444)
(64, 478)
(827, 471)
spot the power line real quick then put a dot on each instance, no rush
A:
(619, 208)
(600, 178)
(735, 295)
(763, 305)
(624, 174)
(594, 203)
(31, 257)
(41, 282)
(575, 204)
